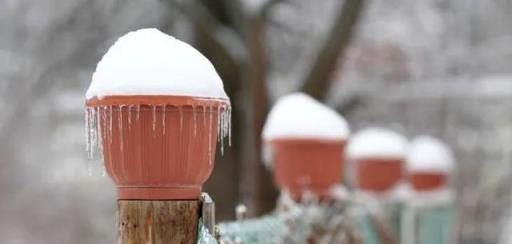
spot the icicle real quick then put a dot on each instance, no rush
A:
(91, 132)
(210, 136)
(87, 133)
(138, 111)
(120, 127)
(94, 128)
(99, 133)
(163, 118)
(204, 116)
(229, 125)
(130, 117)
(105, 122)
(95, 131)
(224, 127)
(195, 123)
(226, 121)
(120, 117)
(225, 133)
(181, 118)
(110, 126)
(222, 121)
(218, 124)
(154, 118)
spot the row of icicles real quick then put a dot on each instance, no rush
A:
(93, 115)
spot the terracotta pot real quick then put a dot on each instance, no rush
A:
(425, 181)
(302, 165)
(158, 147)
(377, 174)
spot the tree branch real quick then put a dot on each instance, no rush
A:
(318, 80)
(269, 5)
(230, 43)
(236, 16)
(262, 189)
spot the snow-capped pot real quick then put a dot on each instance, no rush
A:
(429, 164)
(377, 159)
(156, 107)
(304, 143)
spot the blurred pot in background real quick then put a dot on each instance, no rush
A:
(304, 143)
(377, 159)
(429, 164)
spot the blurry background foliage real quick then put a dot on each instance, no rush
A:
(442, 67)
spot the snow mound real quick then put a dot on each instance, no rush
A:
(149, 62)
(299, 116)
(377, 143)
(428, 154)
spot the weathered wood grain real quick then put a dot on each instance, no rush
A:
(157, 222)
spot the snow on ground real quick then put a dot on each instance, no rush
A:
(429, 154)
(149, 62)
(378, 143)
(299, 116)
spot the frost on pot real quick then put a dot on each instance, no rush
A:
(304, 142)
(377, 159)
(156, 108)
(429, 166)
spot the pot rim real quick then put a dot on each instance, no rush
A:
(156, 100)
(427, 173)
(306, 140)
(379, 159)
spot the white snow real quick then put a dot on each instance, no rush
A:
(377, 143)
(428, 154)
(299, 116)
(443, 195)
(400, 192)
(149, 62)
(339, 192)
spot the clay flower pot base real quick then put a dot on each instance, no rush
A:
(427, 181)
(158, 147)
(377, 175)
(307, 165)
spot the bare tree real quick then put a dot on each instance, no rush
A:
(233, 35)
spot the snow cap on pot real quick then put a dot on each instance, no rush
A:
(304, 141)
(156, 107)
(377, 156)
(149, 62)
(429, 163)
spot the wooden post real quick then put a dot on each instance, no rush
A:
(158, 222)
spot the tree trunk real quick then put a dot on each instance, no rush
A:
(318, 80)
(157, 222)
(262, 189)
